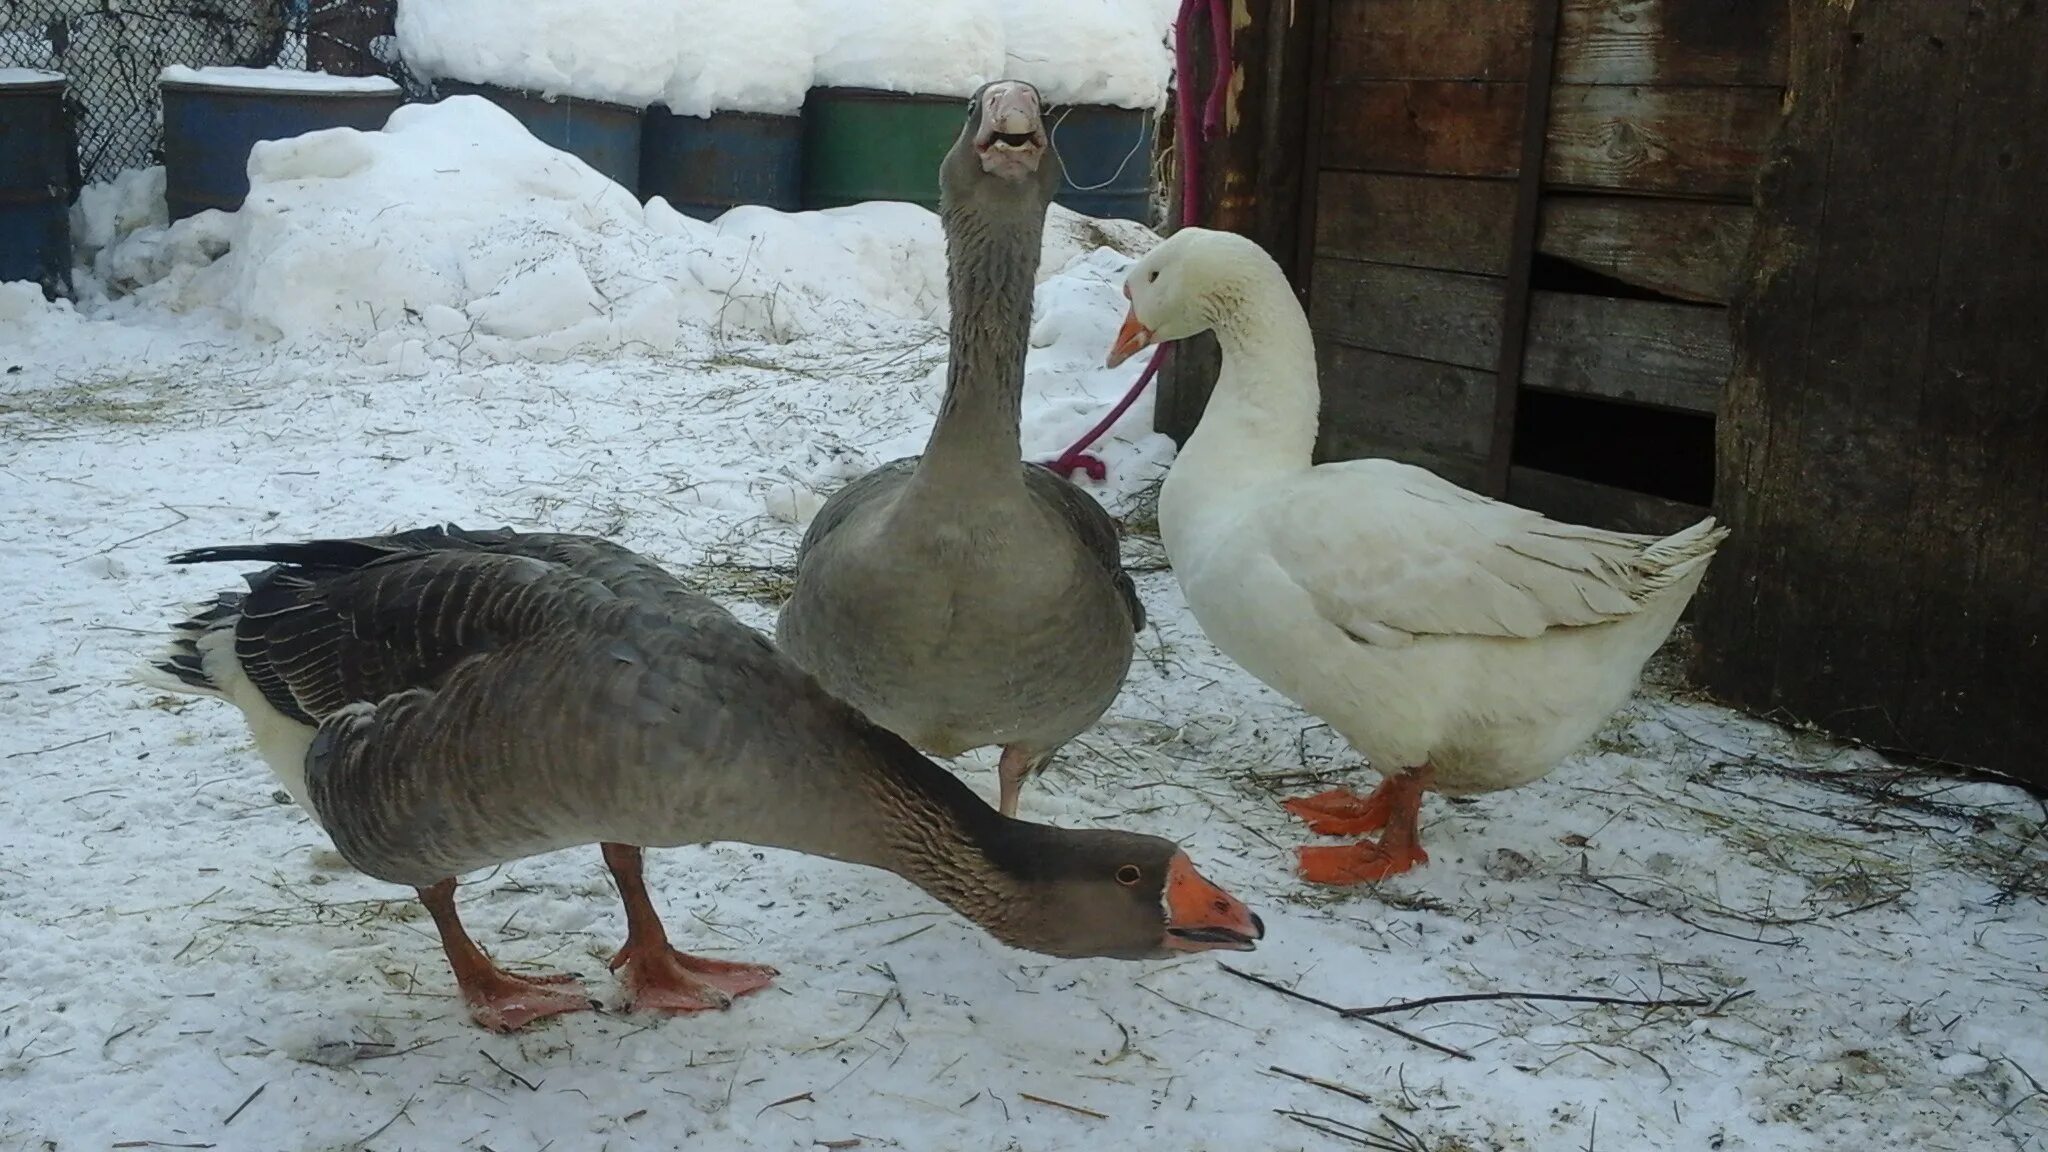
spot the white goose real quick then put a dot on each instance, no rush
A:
(1461, 644)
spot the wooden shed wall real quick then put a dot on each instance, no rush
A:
(1658, 112)
(1885, 441)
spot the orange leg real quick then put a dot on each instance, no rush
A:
(1398, 849)
(1342, 812)
(497, 999)
(659, 978)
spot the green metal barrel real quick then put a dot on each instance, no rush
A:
(863, 144)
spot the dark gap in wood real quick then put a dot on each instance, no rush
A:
(1656, 451)
(1514, 314)
(1557, 274)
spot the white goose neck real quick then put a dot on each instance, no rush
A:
(1267, 399)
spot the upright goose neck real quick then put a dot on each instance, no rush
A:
(991, 268)
(1267, 399)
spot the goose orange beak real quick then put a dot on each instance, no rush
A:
(1200, 916)
(1129, 339)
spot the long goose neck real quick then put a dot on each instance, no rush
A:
(991, 268)
(905, 814)
(1267, 398)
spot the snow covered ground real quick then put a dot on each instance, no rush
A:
(184, 962)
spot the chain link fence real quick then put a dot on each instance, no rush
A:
(113, 50)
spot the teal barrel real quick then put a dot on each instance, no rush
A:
(1106, 155)
(38, 176)
(213, 117)
(864, 144)
(703, 165)
(603, 135)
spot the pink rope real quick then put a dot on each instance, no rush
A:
(1077, 458)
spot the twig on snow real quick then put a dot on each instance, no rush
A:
(246, 1101)
(529, 1085)
(1382, 1025)
(1074, 1108)
(1546, 997)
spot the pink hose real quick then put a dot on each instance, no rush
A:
(1189, 142)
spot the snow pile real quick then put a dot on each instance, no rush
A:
(111, 212)
(695, 56)
(454, 232)
(1093, 51)
(948, 48)
(701, 56)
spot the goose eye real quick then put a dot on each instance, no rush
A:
(1152, 276)
(1128, 875)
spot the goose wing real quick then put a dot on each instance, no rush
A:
(1388, 551)
(1095, 527)
(337, 622)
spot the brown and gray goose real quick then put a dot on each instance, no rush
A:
(442, 701)
(964, 598)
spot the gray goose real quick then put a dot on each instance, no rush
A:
(442, 701)
(964, 598)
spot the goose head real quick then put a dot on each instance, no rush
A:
(1187, 285)
(1003, 152)
(1121, 895)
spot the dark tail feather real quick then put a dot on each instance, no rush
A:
(345, 554)
(178, 666)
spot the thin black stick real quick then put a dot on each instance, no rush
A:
(1382, 1025)
(529, 1085)
(1552, 997)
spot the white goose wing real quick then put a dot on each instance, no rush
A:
(1388, 552)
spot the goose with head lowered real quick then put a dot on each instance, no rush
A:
(1464, 645)
(442, 701)
(964, 598)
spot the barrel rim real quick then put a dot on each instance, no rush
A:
(528, 94)
(724, 113)
(883, 95)
(395, 97)
(34, 88)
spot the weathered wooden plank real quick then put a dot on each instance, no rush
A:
(1445, 222)
(1437, 415)
(1670, 355)
(1422, 313)
(1578, 501)
(1682, 248)
(1694, 141)
(1672, 42)
(1429, 39)
(1737, 42)
(1884, 459)
(1430, 127)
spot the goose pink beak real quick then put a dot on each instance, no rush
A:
(1130, 339)
(1201, 916)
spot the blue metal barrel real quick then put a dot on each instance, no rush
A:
(209, 129)
(38, 174)
(604, 136)
(1107, 156)
(705, 165)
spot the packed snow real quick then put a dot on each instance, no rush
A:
(20, 77)
(187, 963)
(704, 56)
(455, 233)
(278, 80)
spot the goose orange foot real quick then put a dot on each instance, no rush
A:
(1365, 862)
(502, 1002)
(661, 979)
(1342, 812)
